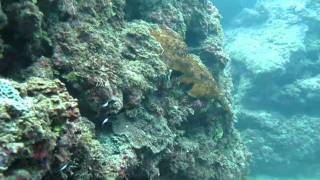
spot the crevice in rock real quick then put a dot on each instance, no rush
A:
(23, 39)
(133, 10)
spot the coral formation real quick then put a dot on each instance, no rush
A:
(114, 63)
(193, 71)
(23, 39)
(8, 94)
(42, 140)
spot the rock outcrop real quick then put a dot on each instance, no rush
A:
(151, 117)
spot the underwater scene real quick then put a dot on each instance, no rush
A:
(159, 89)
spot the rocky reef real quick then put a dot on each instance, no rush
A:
(115, 89)
(275, 65)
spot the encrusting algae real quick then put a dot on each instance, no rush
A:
(176, 56)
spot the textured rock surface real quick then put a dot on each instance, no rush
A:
(276, 63)
(43, 139)
(152, 119)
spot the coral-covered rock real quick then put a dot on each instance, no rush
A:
(42, 140)
(150, 124)
(23, 39)
(193, 71)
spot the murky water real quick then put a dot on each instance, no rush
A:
(274, 49)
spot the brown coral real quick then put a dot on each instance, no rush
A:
(177, 58)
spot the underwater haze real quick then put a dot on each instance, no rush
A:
(159, 89)
(274, 46)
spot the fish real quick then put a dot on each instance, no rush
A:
(64, 167)
(105, 121)
(105, 104)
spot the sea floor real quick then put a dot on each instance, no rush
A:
(266, 177)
